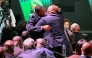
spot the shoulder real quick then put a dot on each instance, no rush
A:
(38, 54)
(21, 55)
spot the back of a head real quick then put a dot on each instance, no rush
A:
(9, 46)
(21, 26)
(25, 35)
(74, 27)
(28, 43)
(7, 34)
(2, 52)
(17, 40)
(86, 48)
(74, 56)
(41, 41)
(79, 45)
(37, 8)
(53, 9)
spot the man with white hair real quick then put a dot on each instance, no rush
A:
(28, 48)
(75, 28)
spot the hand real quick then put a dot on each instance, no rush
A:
(46, 27)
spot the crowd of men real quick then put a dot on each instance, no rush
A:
(43, 37)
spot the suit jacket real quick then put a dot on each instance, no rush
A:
(26, 54)
(33, 54)
(49, 53)
(55, 36)
(17, 51)
(9, 55)
(77, 36)
(35, 32)
(39, 54)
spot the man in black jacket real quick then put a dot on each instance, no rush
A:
(30, 26)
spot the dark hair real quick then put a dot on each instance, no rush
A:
(67, 20)
(21, 26)
(79, 46)
(37, 8)
(7, 34)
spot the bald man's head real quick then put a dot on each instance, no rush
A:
(86, 48)
(9, 46)
(17, 40)
(25, 35)
(9, 42)
(53, 9)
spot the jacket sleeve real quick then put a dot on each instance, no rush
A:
(30, 26)
(41, 22)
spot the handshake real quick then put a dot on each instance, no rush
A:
(46, 27)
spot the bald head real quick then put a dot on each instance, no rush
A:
(53, 9)
(9, 42)
(86, 48)
(17, 40)
(25, 35)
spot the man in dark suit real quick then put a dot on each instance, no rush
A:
(76, 36)
(25, 35)
(30, 26)
(55, 37)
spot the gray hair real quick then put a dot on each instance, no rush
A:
(53, 9)
(28, 43)
(75, 26)
(41, 41)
